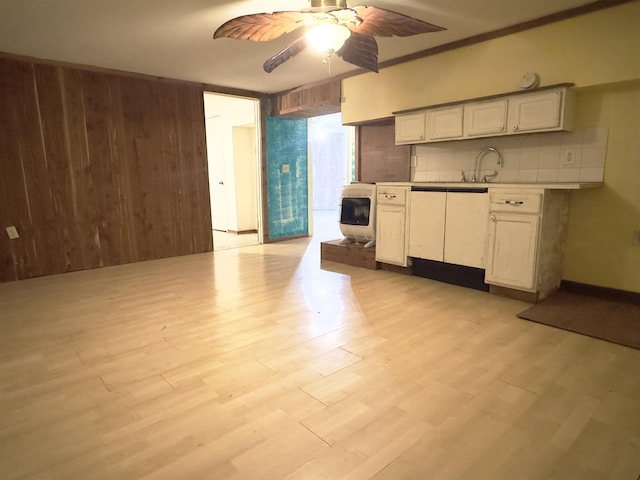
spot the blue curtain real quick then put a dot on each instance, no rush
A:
(287, 192)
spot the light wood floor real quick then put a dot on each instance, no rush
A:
(255, 363)
(226, 240)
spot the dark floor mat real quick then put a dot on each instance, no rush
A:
(614, 321)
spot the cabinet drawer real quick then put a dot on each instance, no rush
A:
(515, 202)
(392, 196)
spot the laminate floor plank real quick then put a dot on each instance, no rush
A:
(263, 362)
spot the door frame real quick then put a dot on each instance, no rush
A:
(228, 99)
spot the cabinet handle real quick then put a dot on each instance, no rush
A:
(492, 218)
(515, 127)
(386, 195)
(517, 203)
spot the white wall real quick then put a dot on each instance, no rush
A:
(236, 112)
(246, 178)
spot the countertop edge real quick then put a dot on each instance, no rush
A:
(543, 186)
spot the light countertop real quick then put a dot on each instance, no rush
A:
(543, 186)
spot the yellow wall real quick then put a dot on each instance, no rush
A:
(600, 248)
(600, 53)
(594, 49)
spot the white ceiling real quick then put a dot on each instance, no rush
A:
(173, 38)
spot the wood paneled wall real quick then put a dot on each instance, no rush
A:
(98, 169)
(309, 101)
(379, 158)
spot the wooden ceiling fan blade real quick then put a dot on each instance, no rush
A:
(360, 50)
(386, 23)
(286, 54)
(262, 27)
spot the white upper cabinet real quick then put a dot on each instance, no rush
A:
(485, 118)
(445, 123)
(411, 128)
(536, 112)
(542, 110)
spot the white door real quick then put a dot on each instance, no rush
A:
(512, 250)
(390, 236)
(215, 154)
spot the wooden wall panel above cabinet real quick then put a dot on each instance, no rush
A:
(379, 159)
(309, 101)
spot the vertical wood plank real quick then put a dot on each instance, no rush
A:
(195, 212)
(32, 210)
(99, 169)
(13, 205)
(98, 103)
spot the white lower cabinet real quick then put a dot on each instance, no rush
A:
(526, 239)
(517, 235)
(513, 239)
(391, 221)
(448, 227)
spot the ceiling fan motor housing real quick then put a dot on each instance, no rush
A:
(328, 4)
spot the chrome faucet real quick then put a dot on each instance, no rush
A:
(478, 165)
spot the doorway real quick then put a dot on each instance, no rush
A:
(332, 165)
(232, 138)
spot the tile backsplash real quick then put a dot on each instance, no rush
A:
(534, 158)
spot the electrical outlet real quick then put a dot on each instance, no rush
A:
(569, 158)
(12, 233)
(285, 168)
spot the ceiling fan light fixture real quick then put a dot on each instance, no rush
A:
(328, 37)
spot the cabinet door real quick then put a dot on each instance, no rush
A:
(466, 228)
(512, 247)
(444, 123)
(390, 234)
(485, 118)
(426, 225)
(536, 111)
(410, 128)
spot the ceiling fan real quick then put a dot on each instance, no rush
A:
(346, 31)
